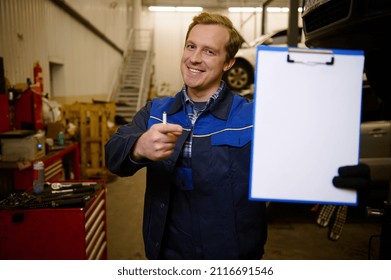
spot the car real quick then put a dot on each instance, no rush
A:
(375, 150)
(241, 75)
(353, 24)
(375, 139)
(356, 24)
(360, 24)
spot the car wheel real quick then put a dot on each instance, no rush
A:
(239, 77)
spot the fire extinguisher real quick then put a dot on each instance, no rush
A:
(38, 79)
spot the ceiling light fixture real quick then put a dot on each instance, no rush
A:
(259, 9)
(174, 9)
(277, 9)
(244, 9)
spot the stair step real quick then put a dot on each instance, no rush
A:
(129, 89)
(128, 111)
(131, 73)
(131, 76)
(136, 81)
(127, 75)
(128, 101)
(128, 94)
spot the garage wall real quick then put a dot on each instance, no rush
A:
(77, 64)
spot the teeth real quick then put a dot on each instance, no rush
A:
(194, 70)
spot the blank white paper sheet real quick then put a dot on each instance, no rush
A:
(306, 123)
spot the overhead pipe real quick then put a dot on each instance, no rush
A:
(78, 17)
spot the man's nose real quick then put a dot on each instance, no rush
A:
(196, 56)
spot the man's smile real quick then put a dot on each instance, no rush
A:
(194, 70)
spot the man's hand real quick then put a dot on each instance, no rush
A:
(157, 143)
(353, 177)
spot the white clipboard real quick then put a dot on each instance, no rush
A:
(306, 123)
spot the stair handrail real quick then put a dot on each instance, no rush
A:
(146, 70)
(128, 50)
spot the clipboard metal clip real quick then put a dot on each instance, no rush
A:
(309, 51)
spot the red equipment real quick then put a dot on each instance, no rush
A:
(5, 115)
(28, 111)
(38, 76)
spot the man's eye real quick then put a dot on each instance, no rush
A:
(209, 52)
(190, 46)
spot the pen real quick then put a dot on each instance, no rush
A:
(164, 117)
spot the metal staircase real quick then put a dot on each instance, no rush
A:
(128, 92)
(131, 87)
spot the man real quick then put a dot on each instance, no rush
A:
(198, 163)
(196, 147)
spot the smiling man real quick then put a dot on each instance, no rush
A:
(204, 60)
(198, 159)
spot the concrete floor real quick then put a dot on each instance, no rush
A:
(293, 232)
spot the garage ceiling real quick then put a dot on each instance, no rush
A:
(219, 4)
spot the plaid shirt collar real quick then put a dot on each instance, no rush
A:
(219, 108)
(212, 98)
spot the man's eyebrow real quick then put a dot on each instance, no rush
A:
(208, 47)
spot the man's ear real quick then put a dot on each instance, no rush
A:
(229, 64)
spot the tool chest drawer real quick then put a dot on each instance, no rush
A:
(57, 232)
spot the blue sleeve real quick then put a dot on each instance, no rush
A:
(119, 146)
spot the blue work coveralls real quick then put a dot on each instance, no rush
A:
(231, 226)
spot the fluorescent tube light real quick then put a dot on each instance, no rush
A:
(244, 9)
(274, 10)
(259, 9)
(161, 9)
(174, 9)
(189, 9)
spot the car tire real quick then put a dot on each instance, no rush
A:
(240, 76)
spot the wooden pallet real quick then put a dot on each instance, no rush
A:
(94, 122)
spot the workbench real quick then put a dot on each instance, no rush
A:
(62, 163)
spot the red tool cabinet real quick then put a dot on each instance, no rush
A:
(55, 233)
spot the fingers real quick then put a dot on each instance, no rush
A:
(157, 143)
(166, 128)
(361, 170)
(353, 177)
(351, 182)
(166, 140)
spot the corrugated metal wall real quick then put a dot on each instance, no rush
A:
(39, 30)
